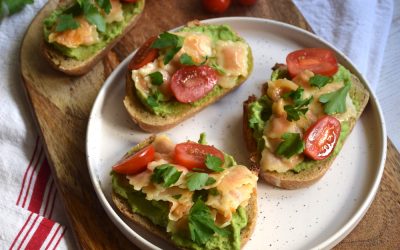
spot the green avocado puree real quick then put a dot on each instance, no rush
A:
(157, 212)
(112, 30)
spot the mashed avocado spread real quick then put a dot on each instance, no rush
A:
(112, 30)
(157, 212)
(260, 112)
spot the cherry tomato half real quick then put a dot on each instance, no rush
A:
(144, 55)
(135, 163)
(320, 61)
(321, 138)
(188, 84)
(216, 6)
(192, 155)
(247, 2)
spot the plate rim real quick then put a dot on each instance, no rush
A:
(330, 241)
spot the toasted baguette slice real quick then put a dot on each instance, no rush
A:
(72, 66)
(150, 122)
(122, 205)
(305, 178)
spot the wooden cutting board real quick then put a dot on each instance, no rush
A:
(61, 105)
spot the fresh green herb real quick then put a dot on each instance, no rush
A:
(170, 42)
(210, 181)
(93, 15)
(155, 99)
(12, 6)
(165, 174)
(214, 163)
(292, 144)
(177, 196)
(185, 59)
(213, 191)
(201, 224)
(105, 5)
(319, 81)
(195, 181)
(259, 112)
(200, 194)
(66, 22)
(295, 111)
(300, 105)
(156, 78)
(202, 139)
(335, 102)
(218, 68)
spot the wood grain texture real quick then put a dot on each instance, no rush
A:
(61, 105)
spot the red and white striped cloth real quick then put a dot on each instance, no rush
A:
(31, 216)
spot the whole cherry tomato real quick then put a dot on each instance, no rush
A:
(192, 155)
(216, 6)
(318, 60)
(321, 138)
(135, 163)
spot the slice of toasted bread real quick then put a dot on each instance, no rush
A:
(72, 66)
(150, 122)
(123, 206)
(305, 178)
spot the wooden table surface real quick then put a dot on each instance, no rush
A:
(61, 107)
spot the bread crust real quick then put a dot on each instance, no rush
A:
(290, 179)
(153, 123)
(71, 66)
(122, 205)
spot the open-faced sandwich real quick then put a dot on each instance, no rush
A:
(305, 112)
(191, 194)
(78, 33)
(176, 74)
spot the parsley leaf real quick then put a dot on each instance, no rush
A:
(105, 5)
(292, 144)
(155, 99)
(201, 224)
(300, 105)
(214, 163)
(171, 42)
(202, 139)
(259, 112)
(186, 60)
(156, 78)
(213, 191)
(319, 81)
(335, 102)
(66, 22)
(93, 15)
(195, 181)
(165, 174)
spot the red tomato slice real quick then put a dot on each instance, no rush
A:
(321, 138)
(192, 155)
(189, 84)
(216, 6)
(135, 163)
(320, 61)
(144, 55)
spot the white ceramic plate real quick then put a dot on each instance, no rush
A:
(315, 217)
